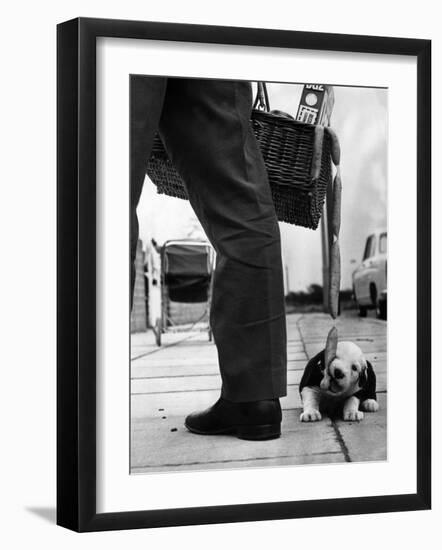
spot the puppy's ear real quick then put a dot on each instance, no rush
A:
(367, 382)
(313, 372)
(363, 379)
(371, 382)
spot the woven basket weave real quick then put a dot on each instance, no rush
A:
(287, 148)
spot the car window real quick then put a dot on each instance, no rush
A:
(368, 252)
(383, 243)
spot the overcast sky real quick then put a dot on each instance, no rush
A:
(360, 120)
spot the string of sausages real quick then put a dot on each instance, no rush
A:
(334, 279)
(335, 223)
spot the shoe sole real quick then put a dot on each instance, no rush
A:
(250, 433)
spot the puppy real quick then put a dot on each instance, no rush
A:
(348, 383)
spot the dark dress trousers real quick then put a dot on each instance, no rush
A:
(205, 127)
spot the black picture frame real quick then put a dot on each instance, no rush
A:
(76, 273)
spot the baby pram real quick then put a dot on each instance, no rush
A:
(186, 278)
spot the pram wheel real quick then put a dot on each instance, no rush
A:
(158, 332)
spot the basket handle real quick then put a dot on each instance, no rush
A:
(262, 102)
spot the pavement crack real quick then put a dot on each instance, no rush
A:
(161, 348)
(341, 442)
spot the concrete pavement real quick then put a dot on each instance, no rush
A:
(182, 376)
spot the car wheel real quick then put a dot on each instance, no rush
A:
(362, 311)
(374, 295)
(382, 310)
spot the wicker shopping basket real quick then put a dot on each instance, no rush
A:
(297, 157)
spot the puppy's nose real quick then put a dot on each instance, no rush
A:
(338, 374)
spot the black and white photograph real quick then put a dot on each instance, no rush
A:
(258, 322)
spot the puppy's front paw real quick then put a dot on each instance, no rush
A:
(353, 416)
(370, 405)
(310, 415)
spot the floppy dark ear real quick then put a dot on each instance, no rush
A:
(363, 378)
(367, 382)
(312, 373)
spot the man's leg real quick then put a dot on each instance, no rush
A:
(206, 130)
(146, 102)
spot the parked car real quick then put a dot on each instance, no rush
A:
(370, 278)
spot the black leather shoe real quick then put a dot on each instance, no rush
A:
(256, 420)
